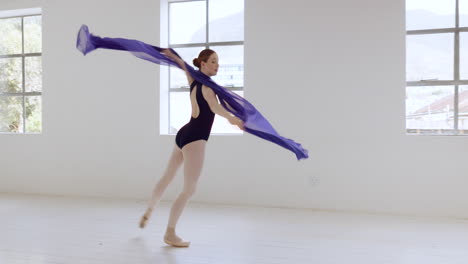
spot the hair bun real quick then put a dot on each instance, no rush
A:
(203, 56)
(196, 62)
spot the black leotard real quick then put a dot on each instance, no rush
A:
(200, 127)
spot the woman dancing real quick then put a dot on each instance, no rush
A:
(191, 139)
(190, 142)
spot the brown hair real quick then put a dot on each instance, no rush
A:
(203, 56)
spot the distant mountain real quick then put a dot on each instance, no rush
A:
(227, 27)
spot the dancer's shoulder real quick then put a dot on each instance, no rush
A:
(206, 89)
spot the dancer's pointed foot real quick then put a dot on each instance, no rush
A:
(172, 239)
(145, 217)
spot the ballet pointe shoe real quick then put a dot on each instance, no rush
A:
(177, 244)
(145, 217)
(171, 239)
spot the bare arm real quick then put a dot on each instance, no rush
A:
(168, 53)
(218, 109)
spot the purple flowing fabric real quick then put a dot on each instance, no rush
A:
(254, 122)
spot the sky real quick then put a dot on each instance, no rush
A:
(441, 7)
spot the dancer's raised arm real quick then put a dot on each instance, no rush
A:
(218, 109)
(168, 53)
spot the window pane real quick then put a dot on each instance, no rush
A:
(463, 9)
(32, 34)
(33, 67)
(429, 107)
(231, 66)
(187, 22)
(33, 106)
(429, 57)
(429, 14)
(11, 114)
(10, 32)
(226, 20)
(180, 110)
(463, 107)
(464, 56)
(11, 80)
(178, 77)
(222, 126)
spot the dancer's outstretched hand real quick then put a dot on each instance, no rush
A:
(168, 53)
(237, 122)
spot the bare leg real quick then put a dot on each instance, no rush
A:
(173, 165)
(194, 155)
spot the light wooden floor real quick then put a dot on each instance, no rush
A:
(47, 229)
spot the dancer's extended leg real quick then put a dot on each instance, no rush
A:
(173, 165)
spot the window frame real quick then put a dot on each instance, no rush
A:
(456, 82)
(201, 45)
(22, 14)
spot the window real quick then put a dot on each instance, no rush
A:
(193, 26)
(437, 67)
(21, 71)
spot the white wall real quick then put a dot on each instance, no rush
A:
(329, 74)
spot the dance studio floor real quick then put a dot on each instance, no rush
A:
(53, 229)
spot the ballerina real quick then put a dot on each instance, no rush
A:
(191, 139)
